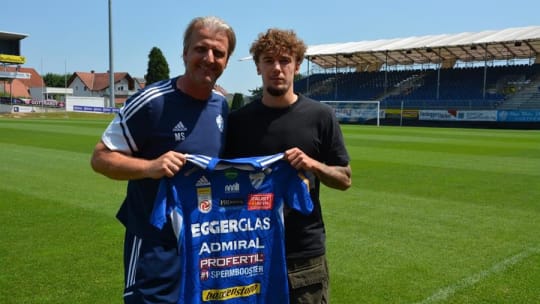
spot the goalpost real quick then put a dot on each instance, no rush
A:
(356, 111)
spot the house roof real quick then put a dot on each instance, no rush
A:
(98, 81)
(35, 79)
(510, 43)
(141, 82)
(20, 87)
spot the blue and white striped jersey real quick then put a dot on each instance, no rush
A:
(227, 215)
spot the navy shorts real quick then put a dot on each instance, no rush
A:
(151, 271)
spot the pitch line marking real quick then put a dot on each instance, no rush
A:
(445, 293)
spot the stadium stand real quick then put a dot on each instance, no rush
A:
(506, 87)
(468, 71)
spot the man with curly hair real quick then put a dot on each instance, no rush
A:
(309, 134)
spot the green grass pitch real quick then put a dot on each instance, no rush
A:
(435, 215)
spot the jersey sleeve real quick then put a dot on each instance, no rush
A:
(128, 129)
(131, 127)
(159, 212)
(167, 205)
(297, 193)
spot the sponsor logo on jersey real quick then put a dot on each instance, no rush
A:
(249, 272)
(203, 181)
(231, 292)
(231, 261)
(234, 245)
(230, 226)
(205, 206)
(261, 201)
(231, 202)
(179, 127)
(232, 188)
(179, 131)
(231, 173)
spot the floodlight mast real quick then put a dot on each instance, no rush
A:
(111, 70)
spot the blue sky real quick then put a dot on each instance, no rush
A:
(73, 35)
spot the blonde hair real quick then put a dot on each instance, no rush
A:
(213, 23)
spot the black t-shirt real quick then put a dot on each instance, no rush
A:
(256, 130)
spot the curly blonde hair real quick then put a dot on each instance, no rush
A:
(277, 41)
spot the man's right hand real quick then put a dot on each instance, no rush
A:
(121, 166)
(167, 164)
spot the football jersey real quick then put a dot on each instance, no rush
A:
(227, 215)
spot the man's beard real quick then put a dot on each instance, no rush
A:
(276, 92)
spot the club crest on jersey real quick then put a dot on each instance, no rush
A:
(257, 179)
(179, 131)
(219, 122)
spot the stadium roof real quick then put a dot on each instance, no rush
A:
(507, 44)
(12, 36)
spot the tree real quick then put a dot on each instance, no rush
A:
(257, 92)
(55, 80)
(237, 101)
(158, 68)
